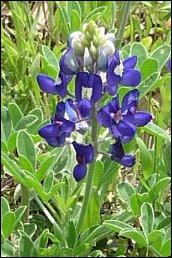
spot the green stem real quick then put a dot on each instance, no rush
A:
(25, 202)
(123, 23)
(90, 173)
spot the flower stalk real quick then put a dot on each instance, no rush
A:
(90, 173)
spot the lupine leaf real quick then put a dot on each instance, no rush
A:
(8, 223)
(49, 56)
(140, 51)
(26, 246)
(156, 131)
(162, 55)
(5, 208)
(147, 218)
(15, 113)
(26, 148)
(135, 235)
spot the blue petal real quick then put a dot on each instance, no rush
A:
(57, 141)
(87, 80)
(104, 117)
(128, 160)
(116, 151)
(68, 63)
(131, 77)
(97, 89)
(86, 151)
(130, 62)
(84, 108)
(60, 110)
(50, 131)
(112, 78)
(48, 84)
(68, 126)
(112, 89)
(130, 100)
(114, 105)
(70, 111)
(89, 153)
(79, 172)
(123, 131)
(141, 118)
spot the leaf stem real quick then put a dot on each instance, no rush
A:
(123, 23)
(90, 173)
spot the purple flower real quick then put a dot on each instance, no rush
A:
(84, 155)
(121, 73)
(88, 80)
(56, 87)
(123, 121)
(78, 111)
(118, 155)
(60, 128)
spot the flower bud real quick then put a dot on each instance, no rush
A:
(111, 37)
(73, 35)
(87, 58)
(77, 46)
(102, 60)
(109, 48)
(93, 51)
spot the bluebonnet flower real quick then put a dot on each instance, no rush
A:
(55, 133)
(121, 73)
(118, 155)
(77, 111)
(123, 121)
(88, 80)
(56, 87)
(84, 156)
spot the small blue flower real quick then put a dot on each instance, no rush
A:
(121, 73)
(123, 121)
(60, 128)
(78, 111)
(56, 87)
(118, 155)
(88, 80)
(84, 156)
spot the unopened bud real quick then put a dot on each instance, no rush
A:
(73, 35)
(109, 48)
(93, 50)
(102, 60)
(87, 58)
(111, 37)
(77, 46)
